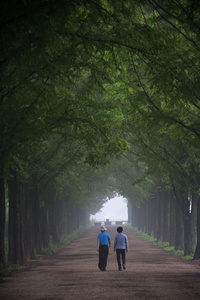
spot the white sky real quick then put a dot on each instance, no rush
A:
(114, 209)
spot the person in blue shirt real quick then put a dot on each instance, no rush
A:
(103, 244)
(121, 247)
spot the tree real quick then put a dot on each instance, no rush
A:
(81, 81)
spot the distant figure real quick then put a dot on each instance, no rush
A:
(121, 247)
(103, 244)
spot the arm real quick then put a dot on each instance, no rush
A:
(97, 245)
(115, 243)
(126, 244)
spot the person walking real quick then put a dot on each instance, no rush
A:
(103, 244)
(121, 247)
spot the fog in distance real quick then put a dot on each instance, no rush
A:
(114, 209)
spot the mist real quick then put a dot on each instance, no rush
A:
(114, 209)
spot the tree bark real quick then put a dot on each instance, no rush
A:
(160, 216)
(166, 217)
(129, 212)
(35, 211)
(150, 217)
(2, 224)
(197, 250)
(178, 220)
(187, 222)
(16, 248)
(172, 228)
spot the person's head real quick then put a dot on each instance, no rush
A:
(119, 229)
(103, 228)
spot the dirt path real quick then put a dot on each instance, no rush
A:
(73, 274)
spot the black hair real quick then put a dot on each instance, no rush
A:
(119, 229)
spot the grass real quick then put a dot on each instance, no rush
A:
(164, 245)
(9, 268)
(51, 249)
(64, 240)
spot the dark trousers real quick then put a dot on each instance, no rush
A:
(103, 255)
(120, 253)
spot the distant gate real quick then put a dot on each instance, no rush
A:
(108, 222)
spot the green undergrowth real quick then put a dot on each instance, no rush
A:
(52, 248)
(9, 268)
(164, 245)
(64, 240)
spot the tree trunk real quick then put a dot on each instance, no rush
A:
(150, 217)
(197, 250)
(129, 212)
(166, 217)
(35, 212)
(155, 216)
(160, 216)
(146, 218)
(178, 227)
(188, 247)
(53, 214)
(16, 248)
(2, 224)
(172, 225)
(187, 222)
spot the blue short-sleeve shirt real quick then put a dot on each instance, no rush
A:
(103, 238)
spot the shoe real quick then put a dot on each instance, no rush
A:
(124, 267)
(119, 269)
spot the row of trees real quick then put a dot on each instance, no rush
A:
(56, 121)
(161, 176)
(86, 82)
(173, 140)
(158, 207)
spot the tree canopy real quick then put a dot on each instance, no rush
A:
(97, 96)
